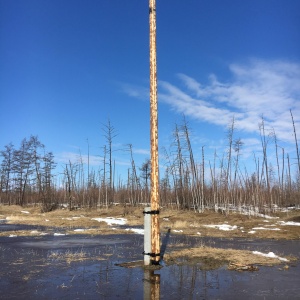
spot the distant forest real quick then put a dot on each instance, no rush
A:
(28, 177)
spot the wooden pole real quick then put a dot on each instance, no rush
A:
(154, 197)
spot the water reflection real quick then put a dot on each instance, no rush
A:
(29, 273)
(181, 282)
(151, 285)
(189, 282)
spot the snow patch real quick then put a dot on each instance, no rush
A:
(270, 254)
(174, 230)
(256, 214)
(135, 230)
(264, 228)
(12, 235)
(110, 221)
(79, 230)
(59, 234)
(25, 212)
(289, 223)
(225, 227)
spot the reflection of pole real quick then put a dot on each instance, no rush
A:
(155, 240)
(151, 285)
(155, 286)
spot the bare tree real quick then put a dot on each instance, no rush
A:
(265, 166)
(230, 145)
(145, 176)
(109, 134)
(23, 170)
(135, 182)
(296, 142)
(6, 170)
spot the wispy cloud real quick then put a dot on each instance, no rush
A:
(141, 151)
(268, 88)
(75, 158)
(135, 91)
(92, 160)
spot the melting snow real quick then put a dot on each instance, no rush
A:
(291, 223)
(136, 230)
(224, 227)
(177, 230)
(264, 228)
(256, 214)
(270, 254)
(79, 229)
(251, 231)
(12, 235)
(58, 234)
(110, 221)
(265, 216)
(25, 212)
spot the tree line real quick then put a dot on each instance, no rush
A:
(29, 177)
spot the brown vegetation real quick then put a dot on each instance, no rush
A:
(209, 258)
(185, 222)
(180, 222)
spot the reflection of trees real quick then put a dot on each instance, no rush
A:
(190, 282)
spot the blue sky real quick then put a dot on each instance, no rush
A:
(66, 67)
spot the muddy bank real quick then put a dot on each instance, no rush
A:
(84, 267)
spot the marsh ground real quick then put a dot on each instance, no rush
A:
(69, 255)
(280, 225)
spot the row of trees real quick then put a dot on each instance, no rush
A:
(27, 173)
(28, 176)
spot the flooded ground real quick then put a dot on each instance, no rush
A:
(86, 267)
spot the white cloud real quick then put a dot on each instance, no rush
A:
(75, 158)
(141, 151)
(268, 88)
(93, 160)
(135, 91)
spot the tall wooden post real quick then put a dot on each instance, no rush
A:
(155, 238)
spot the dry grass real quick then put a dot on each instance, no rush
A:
(69, 256)
(190, 222)
(215, 257)
(63, 217)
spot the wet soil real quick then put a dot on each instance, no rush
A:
(97, 269)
